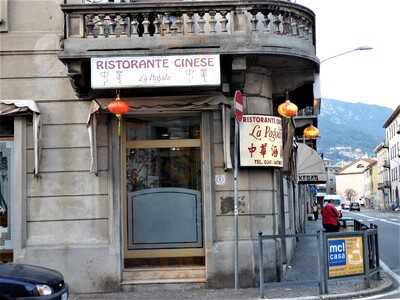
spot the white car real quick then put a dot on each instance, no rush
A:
(346, 205)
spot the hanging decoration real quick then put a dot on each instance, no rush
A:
(287, 109)
(118, 107)
(311, 132)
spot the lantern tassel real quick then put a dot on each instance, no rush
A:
(119, 123)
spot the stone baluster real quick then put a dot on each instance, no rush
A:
(157, 24)
(108, 25)
(280, 18)
(253, 19)
(212, 21)
(166, 24)
(276, 23)
(89, 28)
(146, 24)
(179, 23)
(201, 22)
(310, 31)
(271, 19)
(101, 25)
(190, 22)
(224, 21)
(300, 27)
(294, 27)
(286, 24)
(173, 27)
(266, 21)
(113, 24)
(306, 31)
(121, 22)
(134, 25)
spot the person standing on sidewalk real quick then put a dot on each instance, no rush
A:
(315, 211)
(330, 217)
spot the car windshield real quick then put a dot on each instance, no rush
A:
(336, 202)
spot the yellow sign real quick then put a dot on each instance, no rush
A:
(345, 256)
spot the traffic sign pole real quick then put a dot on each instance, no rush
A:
(236, 212)
(238, 106)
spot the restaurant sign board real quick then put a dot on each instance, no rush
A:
(261, 141)
(155, 71)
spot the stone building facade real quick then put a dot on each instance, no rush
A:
(392, 141)
(149, 199)
(383, 193)
(356, 176)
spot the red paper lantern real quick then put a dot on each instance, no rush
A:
(118, 107)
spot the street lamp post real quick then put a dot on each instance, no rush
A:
(362, 48)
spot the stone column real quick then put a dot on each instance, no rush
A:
(263, 184)
(257, 196)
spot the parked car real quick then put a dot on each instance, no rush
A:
(355, 206)
(31, 282)
(346, 205)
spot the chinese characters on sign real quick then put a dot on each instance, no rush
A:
(261, 141)
(155, 71)
(345, 256)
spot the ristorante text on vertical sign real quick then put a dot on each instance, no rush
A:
(261, 141)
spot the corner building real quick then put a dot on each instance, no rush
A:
(149, 199)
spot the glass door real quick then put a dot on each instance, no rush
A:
(6, 167)
(163, 183)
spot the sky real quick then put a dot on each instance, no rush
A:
(373, 76)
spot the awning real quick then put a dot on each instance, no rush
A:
(310, 166)
(147, 105)
(21, 108)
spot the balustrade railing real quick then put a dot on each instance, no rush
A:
(306, 111)
(104, 19)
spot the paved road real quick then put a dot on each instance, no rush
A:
(388, 235)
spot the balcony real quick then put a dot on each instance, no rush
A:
(386, 164)
(384, 184)
(306, 116)
(149, 27)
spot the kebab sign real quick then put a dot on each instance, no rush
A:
(261, 141)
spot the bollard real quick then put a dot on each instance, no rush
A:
(324, 251)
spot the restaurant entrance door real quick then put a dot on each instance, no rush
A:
(163, 203)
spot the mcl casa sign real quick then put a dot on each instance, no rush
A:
(155, 71)
(261, 141)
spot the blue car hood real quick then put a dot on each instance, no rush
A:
(32, 274)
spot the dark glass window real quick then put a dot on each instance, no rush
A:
(178, 127)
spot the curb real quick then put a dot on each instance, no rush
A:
(394, 277)
(394, 280)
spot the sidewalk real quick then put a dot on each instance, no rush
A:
(304, 265)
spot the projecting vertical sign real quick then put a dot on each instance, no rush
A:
(261, 141)
(155, 71)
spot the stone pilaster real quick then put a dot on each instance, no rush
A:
(257, 199)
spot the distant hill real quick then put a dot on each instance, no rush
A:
(350, 130)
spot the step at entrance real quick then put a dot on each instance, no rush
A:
(164, 275)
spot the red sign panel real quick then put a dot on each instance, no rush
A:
(238, 99)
